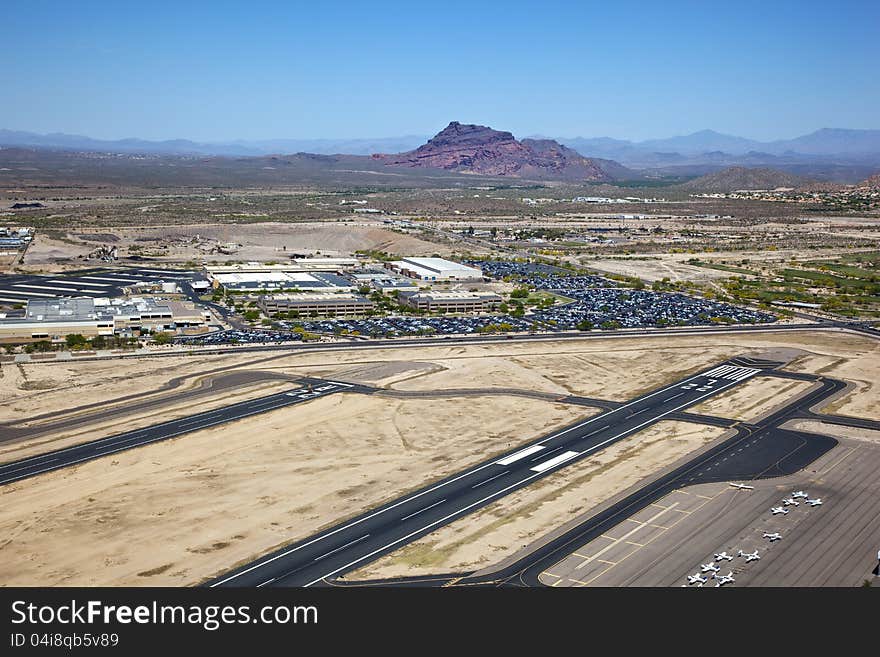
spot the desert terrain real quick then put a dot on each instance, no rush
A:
(231, 493)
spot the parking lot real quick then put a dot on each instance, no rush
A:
(603, 307)
(640, 308)
(502, 268)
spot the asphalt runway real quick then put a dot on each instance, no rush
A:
(306, 390)
(382, 530)
(756, 451)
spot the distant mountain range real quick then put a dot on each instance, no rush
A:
(243, 148)
(832, 155)
(709, 147)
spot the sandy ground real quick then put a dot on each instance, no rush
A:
(859, 366)
(28, 390)
(258, 241)
(752, 399)
(836, 430)
(136, 518)
(497, 531)
(655, 270)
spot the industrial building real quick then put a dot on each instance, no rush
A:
(435, 269)
(384, 282)
(280, 281)
(316, 305)
(453, 302)
(54, 319)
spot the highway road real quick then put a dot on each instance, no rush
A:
(345, 547)
(305, 390)
(396, 343)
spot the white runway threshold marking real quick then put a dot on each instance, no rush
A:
(521, 454)
(556, 460)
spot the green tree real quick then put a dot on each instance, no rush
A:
(162, 337)
(75, 340)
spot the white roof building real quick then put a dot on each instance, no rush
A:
(436, 269)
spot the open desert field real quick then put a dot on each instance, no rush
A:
(179, 512)
(264, 241)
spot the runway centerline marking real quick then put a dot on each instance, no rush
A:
(342, 547)
(422, 510)
(486, 481)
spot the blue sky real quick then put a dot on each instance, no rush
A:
(220, 70)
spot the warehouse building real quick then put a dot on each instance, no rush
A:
(315, 305)
(435, 269)
(452, 302)
(54, 319)
(280, 281)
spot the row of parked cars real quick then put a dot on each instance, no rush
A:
(256, 336)
(398, 326)
(502, 268)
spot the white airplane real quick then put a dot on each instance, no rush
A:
(815, 502)
(723, 555)
(798, 494)
(778, 509)
(749, 556)
(697, 579)
(725, 579)
(742, 486)
(790, 501)
(709, 568)
(773, 537)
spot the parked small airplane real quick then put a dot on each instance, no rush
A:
(798, 494)
(790, 501)
(697, 579)
(815, 502)
(742, 486)
(709, 567)
(773, 537)
(724, 579)
(749, 556)
(723, 555)
(778, 509)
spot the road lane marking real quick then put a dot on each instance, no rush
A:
(486, 481)
(546, 454)
(357, 540)
(556, 460)
(625, 536)
(422, 510)
(521, 454)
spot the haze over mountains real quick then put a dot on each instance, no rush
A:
(844, 144)
(834, 155)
